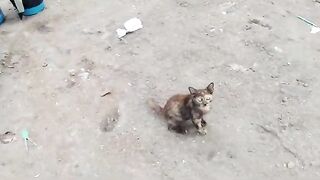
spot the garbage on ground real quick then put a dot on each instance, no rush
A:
(131, 25)
(314, 28)
(7, 137)
(106, 93)
(121, 32)
(28, 7)
(26, 139)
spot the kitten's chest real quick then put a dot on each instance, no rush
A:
(185, 113)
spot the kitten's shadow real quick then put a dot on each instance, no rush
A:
(187, 129)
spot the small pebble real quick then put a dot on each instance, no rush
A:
(290, 165)
(72, 72)
(7, 137)
(284, 100)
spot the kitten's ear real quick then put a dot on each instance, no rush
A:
(210, 88)
(192, 90)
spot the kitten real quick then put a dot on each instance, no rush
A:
(180, 108)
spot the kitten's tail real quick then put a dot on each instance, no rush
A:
(155, 107)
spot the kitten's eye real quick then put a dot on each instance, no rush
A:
(200, 99)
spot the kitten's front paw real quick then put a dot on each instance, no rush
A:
(202, 131)
(203, 123)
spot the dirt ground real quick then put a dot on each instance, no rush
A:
(263, 59)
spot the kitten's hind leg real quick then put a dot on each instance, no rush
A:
(174, 126)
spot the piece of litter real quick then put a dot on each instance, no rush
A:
(37, 175)
(306, 21)
(25, 134)
(7, 137)
(26, 138)
(130, 25)
(121, 33)
(314, 28)
(106, 93)
(133, 24)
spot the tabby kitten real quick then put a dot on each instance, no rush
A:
(180, 108)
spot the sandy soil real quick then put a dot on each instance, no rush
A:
(265, 63)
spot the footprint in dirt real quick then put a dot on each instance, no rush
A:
(109, 122)
(43, 27)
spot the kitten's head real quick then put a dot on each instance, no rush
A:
(202, 98)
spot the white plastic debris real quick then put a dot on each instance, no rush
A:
(131, 25)
(121, 32)
(314, 30)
